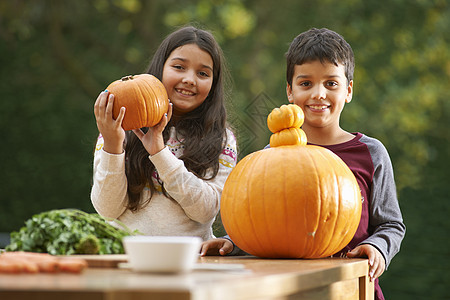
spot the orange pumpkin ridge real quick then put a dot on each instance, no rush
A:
(238, 232)
(314, 208)
(328, 213)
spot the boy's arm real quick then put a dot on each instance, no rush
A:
(385, 215)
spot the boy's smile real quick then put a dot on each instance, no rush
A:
(321, 90)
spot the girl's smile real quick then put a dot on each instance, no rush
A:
(185, 92)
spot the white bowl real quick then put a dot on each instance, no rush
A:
(167, 254)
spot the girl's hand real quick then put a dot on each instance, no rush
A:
(153, 140)
(376, 259)
(111, 130)
(216, 247)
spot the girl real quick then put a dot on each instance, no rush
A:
(168, 179)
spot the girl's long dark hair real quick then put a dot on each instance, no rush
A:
(204, 128)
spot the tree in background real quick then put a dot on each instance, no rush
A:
(56, 56)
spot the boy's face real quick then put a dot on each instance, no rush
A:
(321, 90)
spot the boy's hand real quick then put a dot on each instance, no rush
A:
(376, 259)
(216, 247)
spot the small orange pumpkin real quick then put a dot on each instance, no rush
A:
(144, 98)
(295, 201)
(288, 136)
(287, 116)
(285, 123)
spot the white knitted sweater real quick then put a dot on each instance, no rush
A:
(196, 201)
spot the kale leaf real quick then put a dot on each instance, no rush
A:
(68, 231)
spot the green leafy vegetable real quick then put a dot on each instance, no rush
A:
(68, 231)
(89, 244)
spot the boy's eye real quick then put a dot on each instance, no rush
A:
(305, 83)
(332, 83)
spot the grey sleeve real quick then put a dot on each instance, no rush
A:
(236, 250)
(384, 210)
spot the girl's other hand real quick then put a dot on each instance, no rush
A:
(153, 140)
(111, 130)
(216, 247)
(376, 259)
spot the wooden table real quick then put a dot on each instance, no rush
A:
(330, 278)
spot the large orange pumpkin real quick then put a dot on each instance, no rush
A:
(296, 201)
(144, 98)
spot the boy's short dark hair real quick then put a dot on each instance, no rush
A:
(320, 44)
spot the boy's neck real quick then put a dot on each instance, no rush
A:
(324, 137)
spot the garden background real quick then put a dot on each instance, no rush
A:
(56, 56)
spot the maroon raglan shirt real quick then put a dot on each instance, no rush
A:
(381, 222)
(357, 157)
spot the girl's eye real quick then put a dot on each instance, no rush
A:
(179, 67)
(204, 74)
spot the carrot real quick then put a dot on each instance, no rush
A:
(44, 262)
(27, 266)
(31, 262)
(17, 265)
(27, 255)
(48, 266)
(72, 265)
(10, 267)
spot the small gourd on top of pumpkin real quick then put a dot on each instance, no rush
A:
(285, 123)
(144, 98)
(292, 200)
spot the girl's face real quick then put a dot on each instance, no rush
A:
(321, 90)
(187, 77)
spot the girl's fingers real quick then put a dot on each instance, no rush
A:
(109, 106)
(139, 133)
(162, 124)
(121, 115)
(96, 104)
(169, 111)
(168, 115)
(165, 122)
(99, 106)
(103, 109)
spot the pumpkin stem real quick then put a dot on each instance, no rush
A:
(125, 78)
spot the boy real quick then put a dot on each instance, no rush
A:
(320, 67)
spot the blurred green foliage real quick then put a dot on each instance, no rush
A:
(56, 56)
